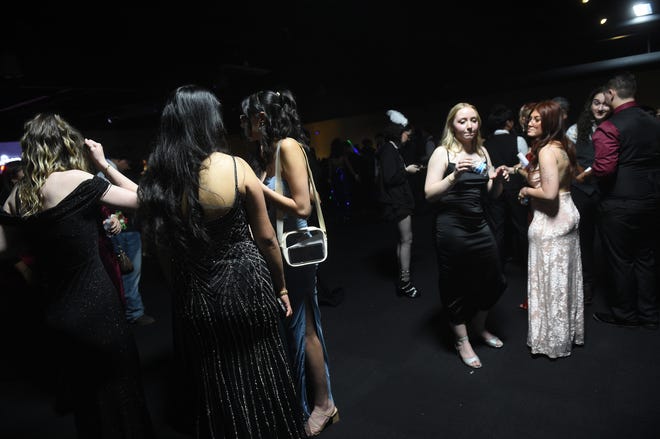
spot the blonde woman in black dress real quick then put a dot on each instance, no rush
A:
(470, 273)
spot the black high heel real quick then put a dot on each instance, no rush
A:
(406, 289)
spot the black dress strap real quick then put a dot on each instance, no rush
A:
(235, 175)
(450, 166)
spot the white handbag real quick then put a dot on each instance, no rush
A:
(308, 245)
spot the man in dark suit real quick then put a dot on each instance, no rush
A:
(506, 216)
(627, 164)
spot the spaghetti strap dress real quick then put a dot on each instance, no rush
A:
(470, 274)
(227, 321)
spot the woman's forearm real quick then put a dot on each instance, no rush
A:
(273, 256)
(119, 179)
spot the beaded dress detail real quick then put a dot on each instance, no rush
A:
(227, 320)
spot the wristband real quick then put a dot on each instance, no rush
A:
(284, 292)
(105, 171)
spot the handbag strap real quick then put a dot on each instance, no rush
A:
(279, 190)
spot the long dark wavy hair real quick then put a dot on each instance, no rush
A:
(553, 130)
(191, 128)
(586, 120)
(281, 120)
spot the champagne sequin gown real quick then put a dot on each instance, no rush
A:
(554, 282)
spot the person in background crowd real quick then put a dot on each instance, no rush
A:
(565, 106)
(11, 175)
(130, 240)
(395, 195)
(523, 118)
(342, 179)
(19, 291)
(368, 180)
(507, 217)
(584, 189)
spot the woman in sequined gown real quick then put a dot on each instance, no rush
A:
(55, 208)
(207, 209)
(554, 283)
(470, 275)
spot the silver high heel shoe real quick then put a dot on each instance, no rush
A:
(472, 362)
(494, 342)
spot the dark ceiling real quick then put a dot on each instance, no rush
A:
(102, 65)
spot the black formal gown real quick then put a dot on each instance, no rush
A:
(93, 349)
(469, 268)
(227, 322)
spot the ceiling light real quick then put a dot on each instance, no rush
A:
(641, 9)
(603, 20)
(585, 1)
(618, 37)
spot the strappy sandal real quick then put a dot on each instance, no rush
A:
(314, 427)
(472, 362)
(494, 342)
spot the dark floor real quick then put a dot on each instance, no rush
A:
(394, 372)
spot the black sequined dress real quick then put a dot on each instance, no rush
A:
(227, 321)
(93, 348)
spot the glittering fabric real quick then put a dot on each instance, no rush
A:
(93, 348)
(554, 283)
(470, 276)
(227, 317)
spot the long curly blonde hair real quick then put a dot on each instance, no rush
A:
(49, 144)
(449, 140)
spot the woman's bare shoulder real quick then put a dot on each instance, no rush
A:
(289, 142)
(440, 153)
(60, 184)
(549, 148)
(68, 178)
(290, 146)
(556, 146)
(214, 159)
